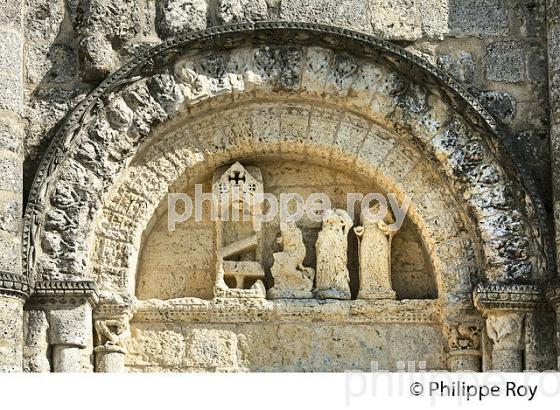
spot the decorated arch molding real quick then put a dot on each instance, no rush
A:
(403, 113)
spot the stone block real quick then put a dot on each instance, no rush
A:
(116, 19)
(11, 84)
(397, 20)
(10, 260)
(11, 133)
(535, 148)
(11, 336)
(11, 14)
(158, 344)
(505, 61)
(536, 64)
(529, 18)
(461, 67)
(71, 325)
(345, 13)
(49, 105)
(553, 41)
(50, 56)
(479, 18)
(232, 11)
(11, 178)
(498, 103)
(434, 16)
(55, 64)
(149, 22)
(10, 212)
(181, 16)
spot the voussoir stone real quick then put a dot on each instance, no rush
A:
(181, 16)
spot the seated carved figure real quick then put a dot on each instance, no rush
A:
(333, 279)
(291, 278)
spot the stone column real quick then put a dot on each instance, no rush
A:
(71, 337)
(505, 307)
(463, 339)
(36, 342)
(554, 298)
(112, 330)
(13, 292)
(68, 309)
(505, 329)
(13, 286)
(553, 44)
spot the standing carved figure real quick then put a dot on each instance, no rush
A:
(374, 249)
(332, 278)
(291, 278)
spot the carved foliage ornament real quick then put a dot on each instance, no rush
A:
(505, 330)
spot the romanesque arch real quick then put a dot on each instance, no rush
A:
(283, 92)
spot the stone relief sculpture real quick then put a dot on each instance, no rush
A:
(374, 250)
(112, 334)
(463, 336)
(238, 231)
(291, 278)
(332, 278)
(505, 330)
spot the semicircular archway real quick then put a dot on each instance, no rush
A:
(282, 92)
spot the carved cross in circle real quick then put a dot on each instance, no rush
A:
(237, 177)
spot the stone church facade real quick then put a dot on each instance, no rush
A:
(108, 107)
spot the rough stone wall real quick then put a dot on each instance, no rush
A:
(270, 347)
(11, 179)
(495, 48)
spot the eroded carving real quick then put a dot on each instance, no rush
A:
(112, 333)
(374, 247)
(291, 278)
(463, 336)
(238, 232)
(332, 278)
(505, 330)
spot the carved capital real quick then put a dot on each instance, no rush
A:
(463, 336)
(506, 330)
(111, 322)
(553, 295)
(112, 334)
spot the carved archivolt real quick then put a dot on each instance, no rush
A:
(418, 117)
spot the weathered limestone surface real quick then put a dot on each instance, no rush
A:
(316, 114)
(13, 286)
(11, 337)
